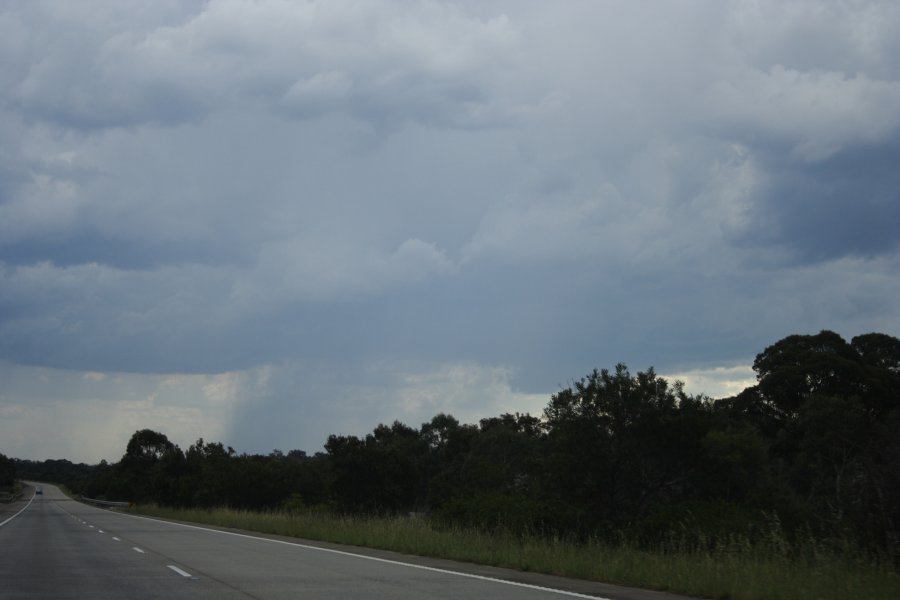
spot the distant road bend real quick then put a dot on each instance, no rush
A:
(55, 547)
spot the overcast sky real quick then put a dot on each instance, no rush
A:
(264, 222)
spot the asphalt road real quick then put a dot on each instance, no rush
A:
(54, 547)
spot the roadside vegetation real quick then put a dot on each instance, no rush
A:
(9, 487)
(739, 570)
(7, 473)
(624, 477)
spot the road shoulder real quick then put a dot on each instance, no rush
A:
(579, 586)
(8, 509)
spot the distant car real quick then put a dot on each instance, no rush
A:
(39, 490)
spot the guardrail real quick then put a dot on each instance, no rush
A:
(105, 503)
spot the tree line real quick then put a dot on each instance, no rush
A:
(813, 445)
(7, 473)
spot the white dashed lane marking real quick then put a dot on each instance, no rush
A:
(179, 571)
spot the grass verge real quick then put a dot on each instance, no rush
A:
(738, 571)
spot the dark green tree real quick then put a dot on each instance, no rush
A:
(208, 477)
(146, 446)
(879, 350)
(880, 355)
(382, 473)
(7, 472)
(831, 439)
(490, 479)
(617, 444)
(139, 477)
(799, 366)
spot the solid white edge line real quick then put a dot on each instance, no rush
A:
(179, 571)
(381, 560)
(18, 513)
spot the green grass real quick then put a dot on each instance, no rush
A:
(738, 571)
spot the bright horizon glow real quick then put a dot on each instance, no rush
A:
(90, 416)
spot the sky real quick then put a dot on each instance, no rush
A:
(265, 222)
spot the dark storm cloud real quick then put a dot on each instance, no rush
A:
(847, 205)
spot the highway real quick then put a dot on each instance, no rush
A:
(54, 547)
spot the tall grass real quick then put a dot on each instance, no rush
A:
(737, 570)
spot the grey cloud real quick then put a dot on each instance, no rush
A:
(815, 114)
(321, 269)
(429, 62)
(320, 187)
(313, 399)
(813, 36)
(848, 205)
(81, 71)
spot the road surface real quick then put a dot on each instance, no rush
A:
(54, 547)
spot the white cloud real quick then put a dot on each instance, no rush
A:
(715, 382)
(468, 391)
(415, 260)
(815, 112)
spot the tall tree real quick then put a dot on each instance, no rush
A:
(799, 366)
(139, 478)
(147, 445)
(617, 444)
